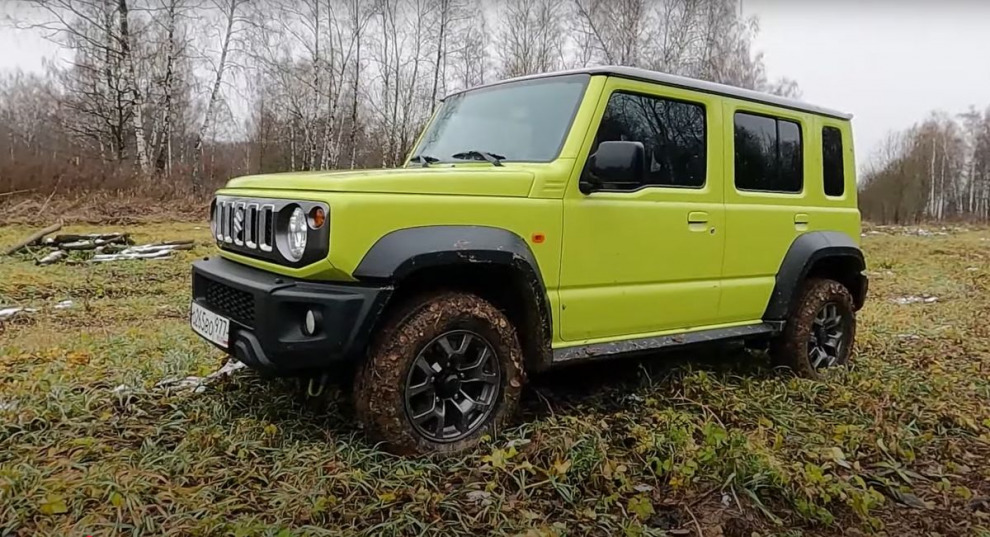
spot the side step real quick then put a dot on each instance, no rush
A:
(596, 351)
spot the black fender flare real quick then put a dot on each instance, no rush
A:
(399, 253)
(807, 250)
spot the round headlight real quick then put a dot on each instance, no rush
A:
(296, 235)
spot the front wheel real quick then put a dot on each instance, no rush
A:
(821, 331)
(445, 371)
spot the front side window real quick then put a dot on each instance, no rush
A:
(768, 154)
(832, 165)
(520, 121)
(672, 133)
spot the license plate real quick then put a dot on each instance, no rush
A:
(209, 325)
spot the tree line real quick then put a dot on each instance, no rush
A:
(186, 93)
(937, 170)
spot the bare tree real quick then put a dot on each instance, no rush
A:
(127, 56)
(230, 13)
(530, 37)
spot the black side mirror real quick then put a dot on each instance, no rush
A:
(615, 164)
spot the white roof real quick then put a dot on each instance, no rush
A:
(683, 82)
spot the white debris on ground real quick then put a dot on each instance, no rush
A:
(197, 384)
(479, 496)
(912, 299)
(160, 250)
(7, 313)
(913, 230)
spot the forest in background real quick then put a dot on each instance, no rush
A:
(171, 97)
(938, 170)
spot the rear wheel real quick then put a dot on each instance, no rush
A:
(821, 331)
(446, 370)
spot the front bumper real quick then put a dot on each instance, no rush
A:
(267, 313)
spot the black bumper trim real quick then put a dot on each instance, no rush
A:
(274, 342)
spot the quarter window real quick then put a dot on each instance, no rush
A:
(768, 154)
(832, 165)
(672, 133)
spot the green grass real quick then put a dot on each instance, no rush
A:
(708, 441)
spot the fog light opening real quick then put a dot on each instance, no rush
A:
(311, 322)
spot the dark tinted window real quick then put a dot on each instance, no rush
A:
(832, 166)
(672, 132)
(768, 154)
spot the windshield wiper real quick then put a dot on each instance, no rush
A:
(480, 155)
(425, 159)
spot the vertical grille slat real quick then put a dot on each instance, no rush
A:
(250, 226)
(227, 221)
(266, 228)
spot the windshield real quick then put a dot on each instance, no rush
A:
(521, 121)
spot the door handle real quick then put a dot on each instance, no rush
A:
(801, 221)
(697, 217)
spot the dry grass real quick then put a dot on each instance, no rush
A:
(710, 442)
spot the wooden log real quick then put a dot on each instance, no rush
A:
(34, 237)
(122, 238)
(161, 247)
(78, 245)
(102, 258)
(53, 257)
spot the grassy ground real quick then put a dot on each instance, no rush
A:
(711, 443)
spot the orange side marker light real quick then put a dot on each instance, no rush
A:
(538, 238)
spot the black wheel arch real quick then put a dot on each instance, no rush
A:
(825, 254)
(478, 259)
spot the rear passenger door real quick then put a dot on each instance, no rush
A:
(768, 200)
(646, 257)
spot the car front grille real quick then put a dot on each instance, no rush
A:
(230, 302)
(245, 224)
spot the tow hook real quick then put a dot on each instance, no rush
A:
(317, 385)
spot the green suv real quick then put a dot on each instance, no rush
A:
(539, 222)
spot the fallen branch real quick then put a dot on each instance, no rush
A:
(52, 257)
(33, 238)
(91, 244)
(160, 247)
(100, 258)
(14, 192)
(6, 313)
(122, 238)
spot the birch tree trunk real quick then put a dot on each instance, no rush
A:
(441, 48)
(138, 100)
(230, 14)
(164, 161)
(352, 136)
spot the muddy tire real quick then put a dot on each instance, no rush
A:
(820, 332)
(445, 370)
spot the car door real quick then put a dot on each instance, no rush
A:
(768, 202)
(646, 257)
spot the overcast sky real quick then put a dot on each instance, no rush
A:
(888, 62)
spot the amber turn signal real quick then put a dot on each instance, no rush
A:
(317, 216)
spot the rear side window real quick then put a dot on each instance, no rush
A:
(768, 154)
(832, 165)
(672, 132)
